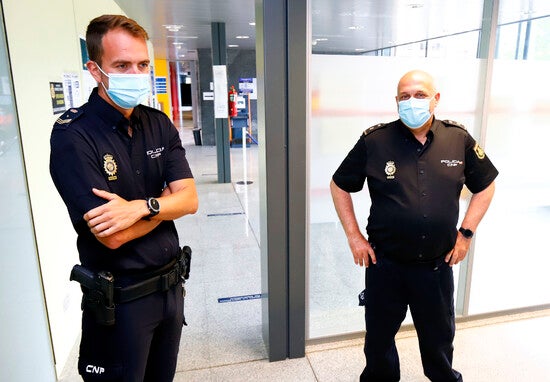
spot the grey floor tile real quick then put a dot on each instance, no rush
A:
(295, 370)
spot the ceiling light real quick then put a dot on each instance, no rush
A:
(360, 49)
(356, 28)
(232, 46)
(173, 27)
(242, 37)
(252, 23)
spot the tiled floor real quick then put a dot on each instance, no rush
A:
(223, 341)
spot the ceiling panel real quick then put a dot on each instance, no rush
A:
(338, 26)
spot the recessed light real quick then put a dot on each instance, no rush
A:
(232, 46)
(252, 23)
(173, 27)
(242, 37)
(356, 28)
(360, 49)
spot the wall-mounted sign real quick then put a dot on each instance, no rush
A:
(160, 85)
(221, 108)
(58, 97)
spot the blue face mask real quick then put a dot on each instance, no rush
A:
(415, 112)
(127, 90)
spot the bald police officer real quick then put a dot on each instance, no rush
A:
(415, 168)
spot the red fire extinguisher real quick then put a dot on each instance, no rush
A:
(232, 102)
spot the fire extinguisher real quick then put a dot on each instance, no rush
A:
(232, 102)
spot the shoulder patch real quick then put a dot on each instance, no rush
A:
(69, 116)
(448, 122)
(373, 128)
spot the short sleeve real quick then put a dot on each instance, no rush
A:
(480, 171)
(351, 174)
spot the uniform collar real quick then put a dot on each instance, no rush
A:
(107, 113)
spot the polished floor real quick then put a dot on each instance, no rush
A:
(223, 341)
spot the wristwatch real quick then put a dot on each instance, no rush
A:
(154, 207)
(467, 233)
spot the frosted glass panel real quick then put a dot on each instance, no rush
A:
(511, 263)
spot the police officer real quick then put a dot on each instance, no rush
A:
(122, 172)
(415, 168)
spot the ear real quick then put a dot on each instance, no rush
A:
(94, 71)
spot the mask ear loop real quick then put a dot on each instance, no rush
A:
(105, 74)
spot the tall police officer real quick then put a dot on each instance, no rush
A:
(122, 172)
(415, 169)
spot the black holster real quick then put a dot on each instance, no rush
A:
(97, 289)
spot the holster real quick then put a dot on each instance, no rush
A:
(98, 290)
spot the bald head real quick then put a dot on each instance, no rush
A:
(416, 80)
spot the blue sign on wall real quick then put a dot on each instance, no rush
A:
(160, 85)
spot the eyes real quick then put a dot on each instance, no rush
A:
(122, 67)
(417, 95)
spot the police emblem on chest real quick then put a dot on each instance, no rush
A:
(390, 169)
(110, 166)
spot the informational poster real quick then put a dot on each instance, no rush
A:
(71, 88)
(58, 97)
(248, 86)
(160, 85)
(221, 109)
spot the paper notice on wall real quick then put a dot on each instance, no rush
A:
(221, 109)
(71, 89)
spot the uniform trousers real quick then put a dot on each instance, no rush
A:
(142, 345)
(427, 289)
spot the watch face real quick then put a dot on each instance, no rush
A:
(154, 206)
(466, 232)
(154, 203)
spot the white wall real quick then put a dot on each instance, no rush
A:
(43, 40)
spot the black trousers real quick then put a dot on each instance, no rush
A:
(142, 345)
(428, 290)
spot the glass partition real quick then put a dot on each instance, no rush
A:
(23, 314)
(511, 261)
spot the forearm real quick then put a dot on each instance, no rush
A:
(139, 229)
(478, 206)
(180, 200)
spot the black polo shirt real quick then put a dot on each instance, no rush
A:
(91, 147)
(415, 188)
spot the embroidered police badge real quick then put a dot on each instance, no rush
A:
(390, 169)
(110, 166)
(479, 151)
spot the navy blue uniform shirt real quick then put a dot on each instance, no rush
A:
(91, 147)
(414, 188)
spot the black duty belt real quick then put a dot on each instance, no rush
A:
(161, 282)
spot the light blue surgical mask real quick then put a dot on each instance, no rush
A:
(415, 112)
(127, 90)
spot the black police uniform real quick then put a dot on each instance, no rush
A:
(91, 147)
(415, 191)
